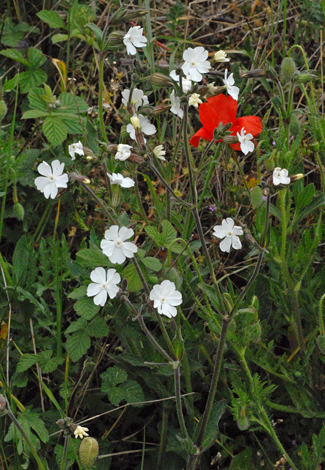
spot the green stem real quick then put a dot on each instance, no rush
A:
(240, 170)
(188, 382)
(320, 308)
(283, 193)
(58, 299)
(165, 335)
(187, 152)
(99, 202)
(138, 196)
(163, 437)
(100, 97)
(179, 407)
(321, 170)
(210, 171)
(64, 454)
(284, 26)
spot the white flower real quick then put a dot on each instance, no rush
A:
(194, 100)
(123, 152)
(51, 179)
(176, 105)
(159, 152)
(221, 56)
(166, 298)
(195, 63)
(228, 231)
(80, 431)
(133, 39)
(280, 176)
(138, 98)
(145, 127)
(117, 178)
(103, 284)
(186, 84)
(76, 148)
(114, 245)
(232, 90)
(246, 145)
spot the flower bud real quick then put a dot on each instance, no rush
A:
(135, 122)
(314, 146)
(3, 402)
(89, 154)
(243, 423)
(19, 211)
(304, 77)
(160, 108)
(230, 139)
(160, 80)
(220, 131)
(115, 38)
(80, 178)
(123, 17)
(257, 73)
(296, 177)
(288, 69)
(220, 56)
(134, 158)
(294, 125)
(271, 72)
(88, 452)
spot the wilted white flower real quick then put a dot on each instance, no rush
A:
(133, 39)
(280, 176)
(212, 88)
(159, 152)
(166, 298)
(80, 431)
(52, 178)
(115, 245)
(194, 100)
(138, 98)
(76, 148)
(103, 285)
(246, 145)
(195, 63)
(123, 152)
(186, 84)
(221, 56)
(117, 178)
(176, 105)
(145, 126)
(232, 90)
(229, 232)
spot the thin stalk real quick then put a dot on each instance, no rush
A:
(179, 408)
(41, 224)
(64, 454)
(187, 152)
(188, 381)
(22, 432)
(321, 322)
(284, 26)
(166, 336)
(210, 171)
(139, 200)
(100, 97)
(283, 193)
(240, 170)
(321, 170)
(163, 437)
(141, 276)
(58, 300)
(99, 202)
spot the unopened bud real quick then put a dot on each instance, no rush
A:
(296, 177)
(135, 122)
(243, 423)
(213, 90)
(304, 77)
(160, 80)
(89, 154)
(271, 72)
(294, 125)
(160, 108)
(140, 139)
(230, 139)
(116, 38)
(3, 402)
(314, 146)
(220, 56)
(288, 69)
(123, 17)
(220, 131)
(79, 178)
(134, 158)
(88, 452)
(19, 211)
(257, 73)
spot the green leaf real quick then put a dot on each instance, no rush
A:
(36, 58)
(20, 260)
(59, 38)
(134, 282)
(152, 263)
(13, 33)
(211, 293)
(93, 257)
(52, 18)
(97, 327)
(72, 104)
(98, 33)
(77, 345)
(54, 130)
(86, 308)
(129, 391)
(11, 84)
(242, 461)
(73, 125)
(212, 431)
(31, 79)
(26, 361)
(36, 101)
(256, 197)
(34, 114)
(48, 363)
(78, 293)
(111, 377)
(14, 54)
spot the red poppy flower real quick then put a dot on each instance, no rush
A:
(223, 109)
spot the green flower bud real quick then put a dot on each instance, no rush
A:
(19, 211)
(88, 452)
(160, 80)
(255, 332)
(243, 423)
(321, 343)
(288, 68)
(304, 77)
(116, 38)
(294, 125)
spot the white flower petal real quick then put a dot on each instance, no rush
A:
(101, 298)
(225, 244)
(98, 275)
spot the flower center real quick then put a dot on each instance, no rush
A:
(118, 242)
(229, 233)
(104, 285)
(193, 63)
(163, 299)
(278, 173)
(51, 178)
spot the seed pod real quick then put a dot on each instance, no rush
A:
(243, 423)
(288, 68)
(19, 211)
(88, 452)
(294, 125)
(160, 80)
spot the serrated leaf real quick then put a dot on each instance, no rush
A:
(78, 293)
(73, 125)
(111, 377)
(134, 282)
(78, 344)
(31, 79)
(52, 18)
(34, 114)
(72, 104)
(86, 308)
(36, 58)
(212, 430)
(11, 84)
(59, 38)
(15, 55)
(26, 361)
(92, 258)
(210, 291)
(97, 327)
(54, 130)
(36, 101)
(152, 263)
(80, 324)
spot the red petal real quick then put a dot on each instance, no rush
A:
(218, 109)
(251, 124)
(201, 134)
